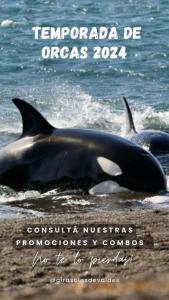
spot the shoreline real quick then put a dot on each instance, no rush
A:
(147, 274)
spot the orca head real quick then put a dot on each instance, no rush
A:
(143, 173)
(137, 170)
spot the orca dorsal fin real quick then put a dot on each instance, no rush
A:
(33, 122)
(130, 127)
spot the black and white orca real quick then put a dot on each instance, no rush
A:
(155, 141)
(44, 157)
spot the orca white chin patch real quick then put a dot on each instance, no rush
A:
(108, 166)
(107, 187)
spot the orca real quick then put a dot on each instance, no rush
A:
(44, 157)
(155, 141)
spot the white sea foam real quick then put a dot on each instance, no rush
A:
(157, 201)
(7, 23)
(64, 197)
(72, 202)
(11, 196)
(9, 212)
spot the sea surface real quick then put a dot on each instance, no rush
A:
(83, 92)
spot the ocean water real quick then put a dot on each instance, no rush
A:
(83, 93)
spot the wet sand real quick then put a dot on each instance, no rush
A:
(145, 277)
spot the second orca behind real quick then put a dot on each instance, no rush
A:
(155, 141)
(45, 157)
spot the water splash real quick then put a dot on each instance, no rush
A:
(67, 105)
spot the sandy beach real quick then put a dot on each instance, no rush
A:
(145, 276)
